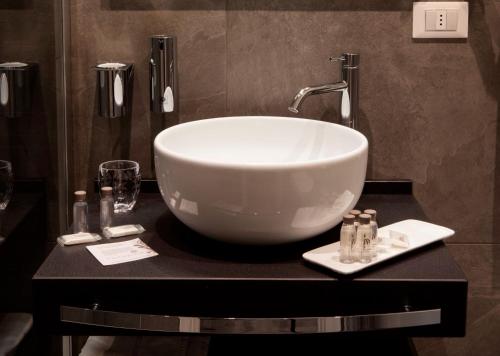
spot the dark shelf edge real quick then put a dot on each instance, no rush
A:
(400, 186)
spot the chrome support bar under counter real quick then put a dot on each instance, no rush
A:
(302, 325)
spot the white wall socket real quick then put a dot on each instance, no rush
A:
(440, 19)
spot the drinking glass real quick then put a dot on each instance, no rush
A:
(5, 188)
(125, 179)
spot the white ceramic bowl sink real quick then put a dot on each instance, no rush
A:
(260, 180)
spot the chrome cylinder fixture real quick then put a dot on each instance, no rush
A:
(163, 74)
(350, 74)
(114, 82)
(16, 88)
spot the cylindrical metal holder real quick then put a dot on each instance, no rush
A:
(114, 82)
(350, 74)
(16, 87)
(163, 74)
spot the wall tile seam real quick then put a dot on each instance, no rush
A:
(472, 243)
(226, 56)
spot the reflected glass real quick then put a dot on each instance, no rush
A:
(5, 189)
(5, 184)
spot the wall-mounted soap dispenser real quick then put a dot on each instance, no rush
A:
(163, 74)
(16, 88)
(114, 82)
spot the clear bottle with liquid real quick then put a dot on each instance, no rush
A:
(364, 239)
(107, 210)
(374, 225)
(80, 212)
(356, 214)
(347, 239)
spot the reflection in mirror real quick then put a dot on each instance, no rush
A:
(5, 184)
(5, 190)
(29, 217)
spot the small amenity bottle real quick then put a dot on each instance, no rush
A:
(80, 212)
(364, 239)
(107, 208)
(347, 239)
(374, 225)
(356, 214)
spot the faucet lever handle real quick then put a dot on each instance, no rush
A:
(336, 59)
(348, 59)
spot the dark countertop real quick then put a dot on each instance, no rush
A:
(20, 206)
(184, 255)
(24, 229)
(194, 275)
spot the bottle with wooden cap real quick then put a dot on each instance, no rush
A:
(374, 225)
(347, 239)
(80, 212)
(356, 214)
(107, 209)
(364, 239)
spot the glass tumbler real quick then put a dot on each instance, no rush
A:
(5, 189)
(125, 179)
(5, 184)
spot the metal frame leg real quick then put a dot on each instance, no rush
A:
(67, 347)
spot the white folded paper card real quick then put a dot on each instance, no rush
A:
(120, 252)
(418, 233)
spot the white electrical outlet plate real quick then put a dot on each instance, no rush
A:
(440, 20)
(447, 19)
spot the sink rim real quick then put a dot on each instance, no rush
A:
(259, 165)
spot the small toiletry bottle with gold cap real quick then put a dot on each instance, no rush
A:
(347, 239)
(374, 225)
(364, 239)
(80, 212)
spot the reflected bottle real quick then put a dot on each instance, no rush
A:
(107, 210)
(80, 212)
(347, 239)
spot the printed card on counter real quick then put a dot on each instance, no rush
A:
(120, 252)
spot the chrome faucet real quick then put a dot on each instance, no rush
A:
(348, 88)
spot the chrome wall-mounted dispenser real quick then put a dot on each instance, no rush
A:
(114, 82)
(16, 88)
(163, 74)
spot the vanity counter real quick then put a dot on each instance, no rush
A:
(21, 206)
(195, 276)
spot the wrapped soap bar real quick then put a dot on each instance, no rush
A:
(78, 238)
(398, 239)
(122, 230)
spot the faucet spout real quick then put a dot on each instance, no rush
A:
(320, 89)
(348, 88)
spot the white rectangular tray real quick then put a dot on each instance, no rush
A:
(420, 233)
